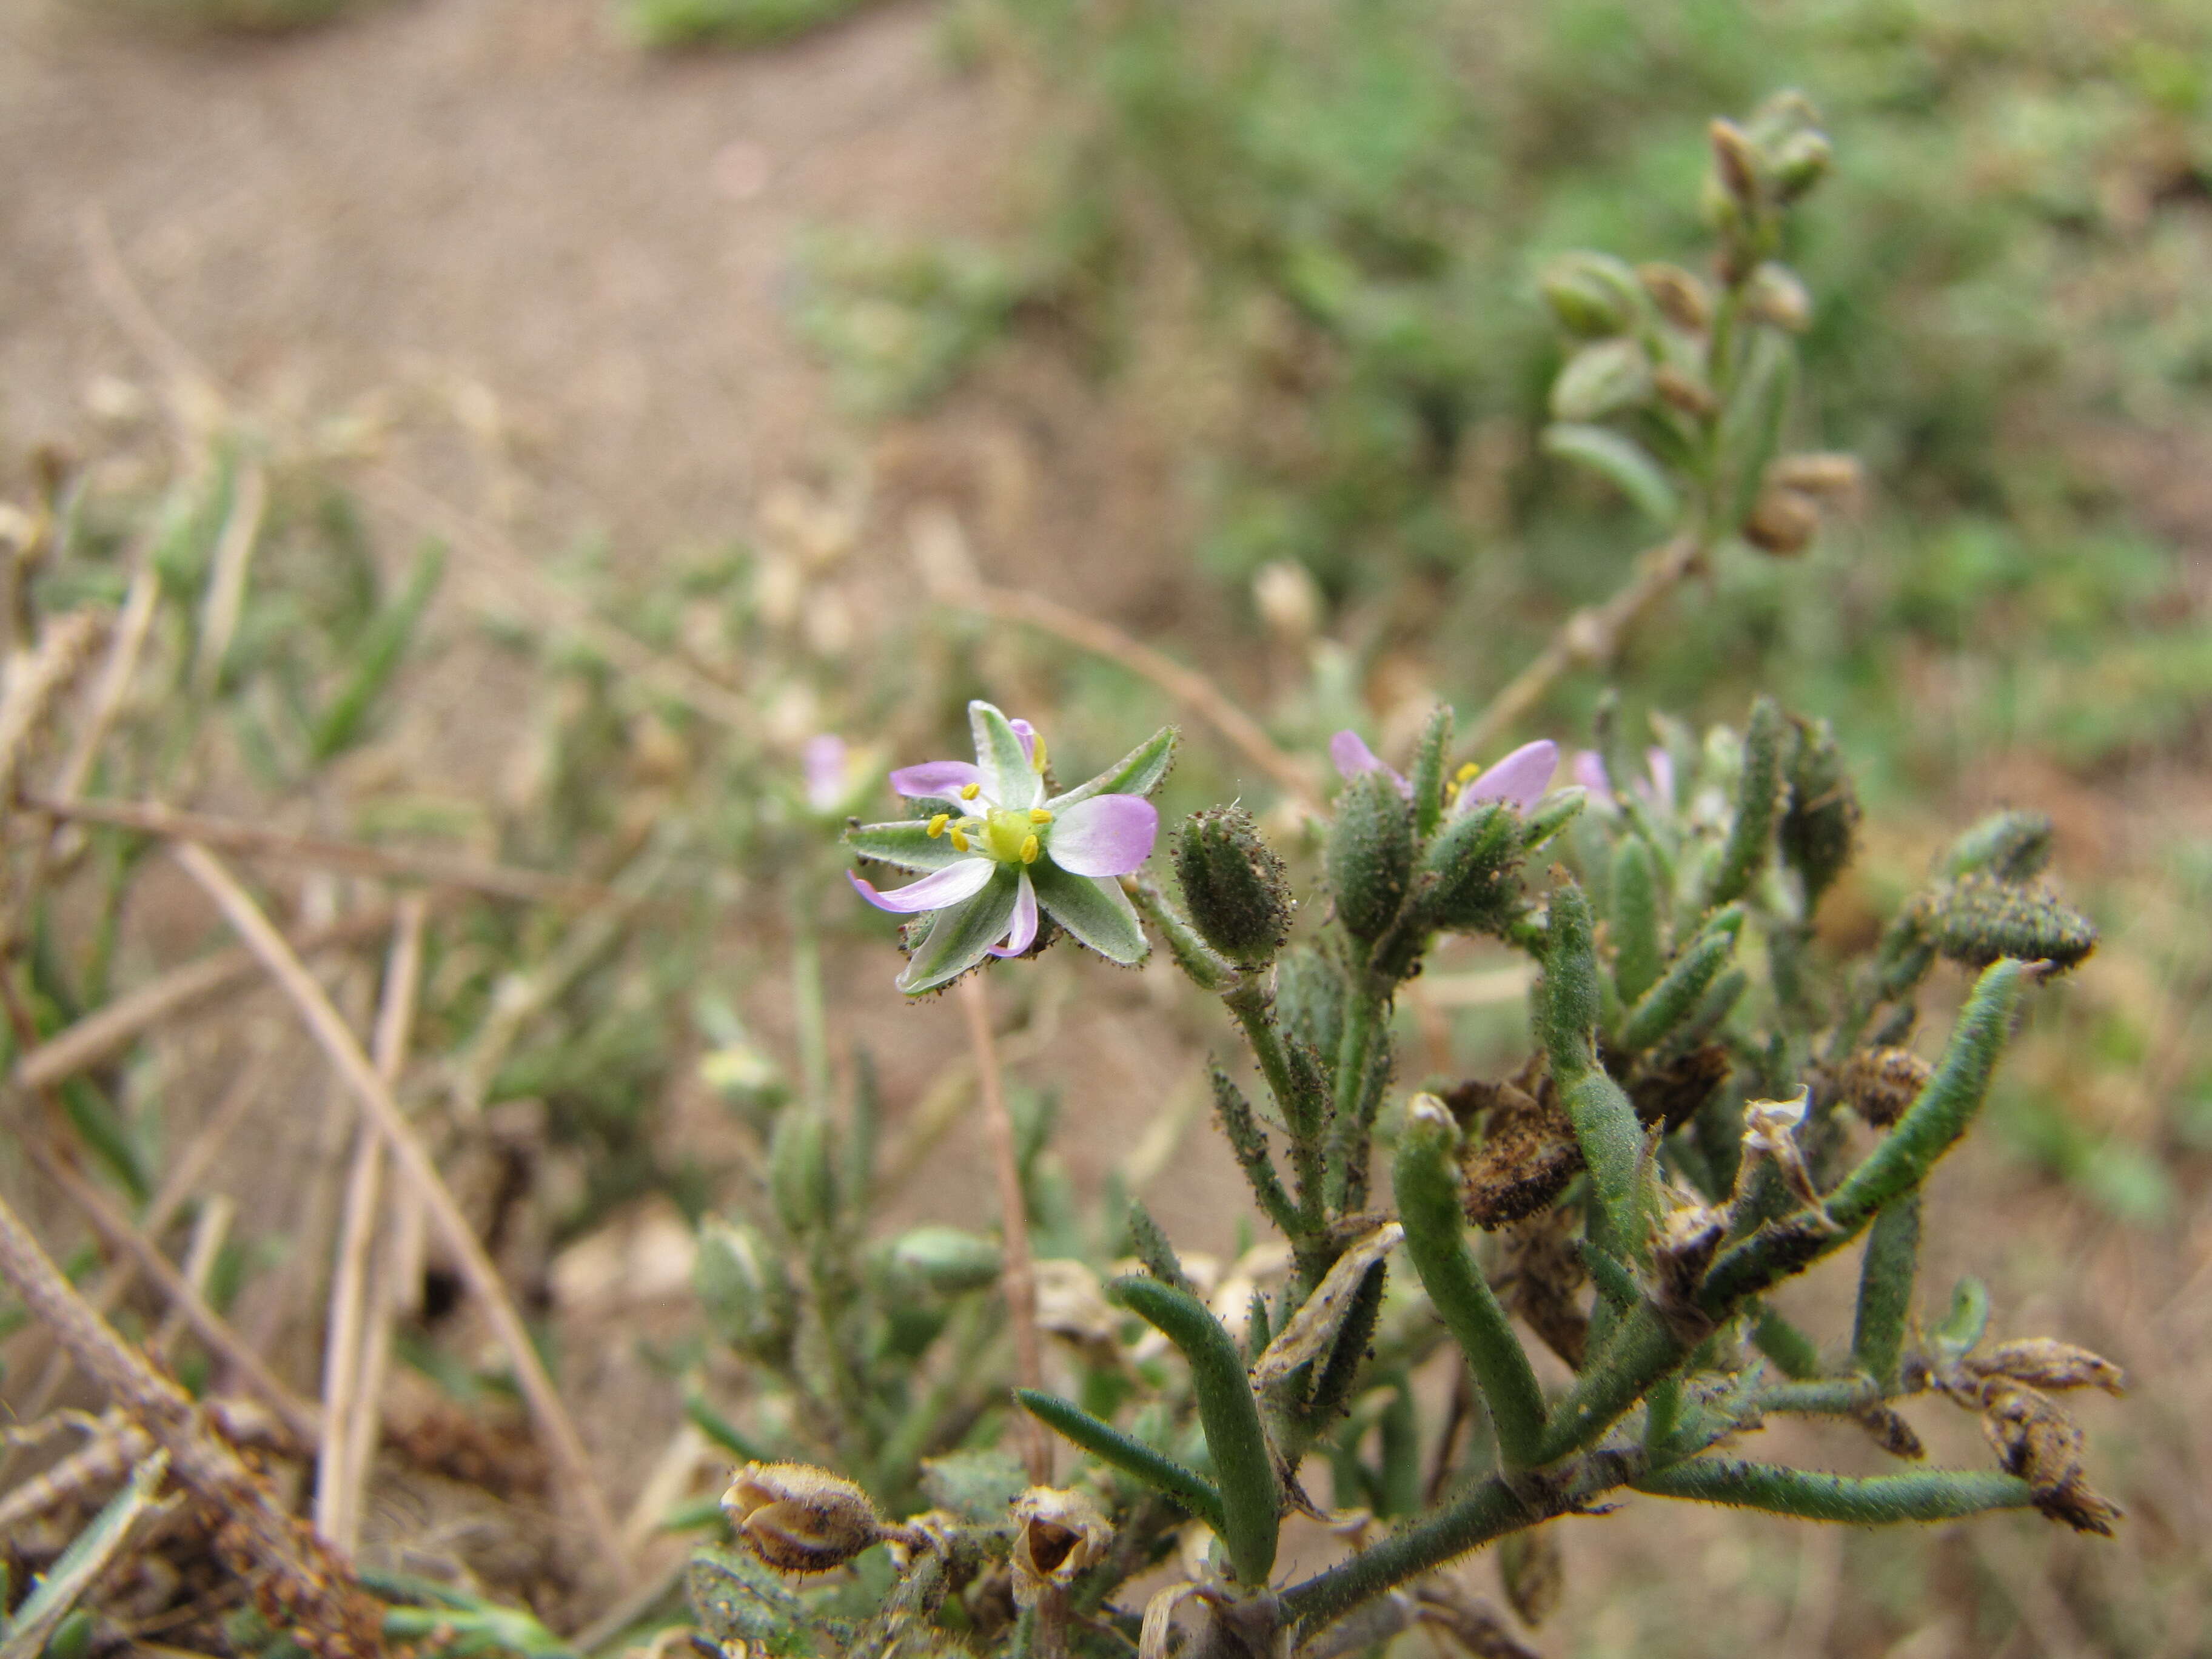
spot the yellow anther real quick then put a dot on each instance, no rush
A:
(937, 825)
(1468, 773)
(1031, 847)
(1037, 756)
(970, 791)
(1038, 815)
(959, 841)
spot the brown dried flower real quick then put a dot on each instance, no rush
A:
(1525, 1156)
(1880, 1083)
(1543, 1278)
(2036, 1440)
(798, 1518)
(2044, 1362)
(1058, 1534)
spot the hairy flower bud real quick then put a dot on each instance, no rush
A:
(1370, 856)
(1782, 521)
(741, 1290)
(1607, 378)
(1978, 918)
(1800, 161)
(801, 1175)
(1775, 296)
(1233, 885)
(1819, 827)
(1468, 870)
(1881, 1083)
(1594, 295)
(798, 1518)
(948, 1261)
(1681, 296)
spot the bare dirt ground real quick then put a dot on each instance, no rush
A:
(498, 211)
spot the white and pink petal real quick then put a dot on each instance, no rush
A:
(935, 891)
(1105, 835)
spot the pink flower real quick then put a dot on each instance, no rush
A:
(1521, 777)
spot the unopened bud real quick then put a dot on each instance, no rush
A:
(1881, 1084)
(948, 1261)
(1978, 918)
(1681, 296)
(1287, 600)
(1369, 855)
(1685, 392)
(1469, 868)
(798, 1518)
(1775, 296)
(1782, 521)
(1735, 162)
(1233, 884)
(1601, 380)
(801, 1177)
(1594, 295)
(1058, 1534)
(1800, 161)
(1827, 477)
(741, 1290)
(1819, 827)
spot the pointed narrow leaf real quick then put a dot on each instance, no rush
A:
(1132, 1457)
(1621, 462)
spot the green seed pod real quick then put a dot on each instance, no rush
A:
(947, 1261)
(1607, 378)
(1468, 870)
(1594, 295)
(1233, 884)
(741, 1290)
(1978, 918)
(1369, 857)
(2010, 846)
(1820, 824)
(1800, 161)
(801, 1174)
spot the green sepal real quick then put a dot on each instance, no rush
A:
(956, 939)
(1550, 815)
(1132, 1456)
(1250, 1499)
(906, 845)
(1093, 909)
(1467, 871)
(1139, 772)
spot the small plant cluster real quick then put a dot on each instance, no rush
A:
(1712, 1105)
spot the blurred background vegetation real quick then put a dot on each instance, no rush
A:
(1292, 247)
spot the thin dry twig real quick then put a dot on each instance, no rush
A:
(355, 857)
(482, 1279)
(317, 1592)
(1020, 1277)
(44, 675)
(121, 1234)
(1187, 686)
(338, 1480)
(1589, 638)
(100, 1034)
(210, 1228)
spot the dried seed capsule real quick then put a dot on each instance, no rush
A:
(1682, 298)
(1735, 162)
(1685, 393)
(1782, 521)
(1880, 1083)
(1525, 1156)
(1775, 296)
(1823, 474)
(2044, 1362)
(2036, 1440)
(1058, 1535)
(1233, 884)
(798, 1518)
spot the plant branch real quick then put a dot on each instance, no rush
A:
(1865, 1500)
